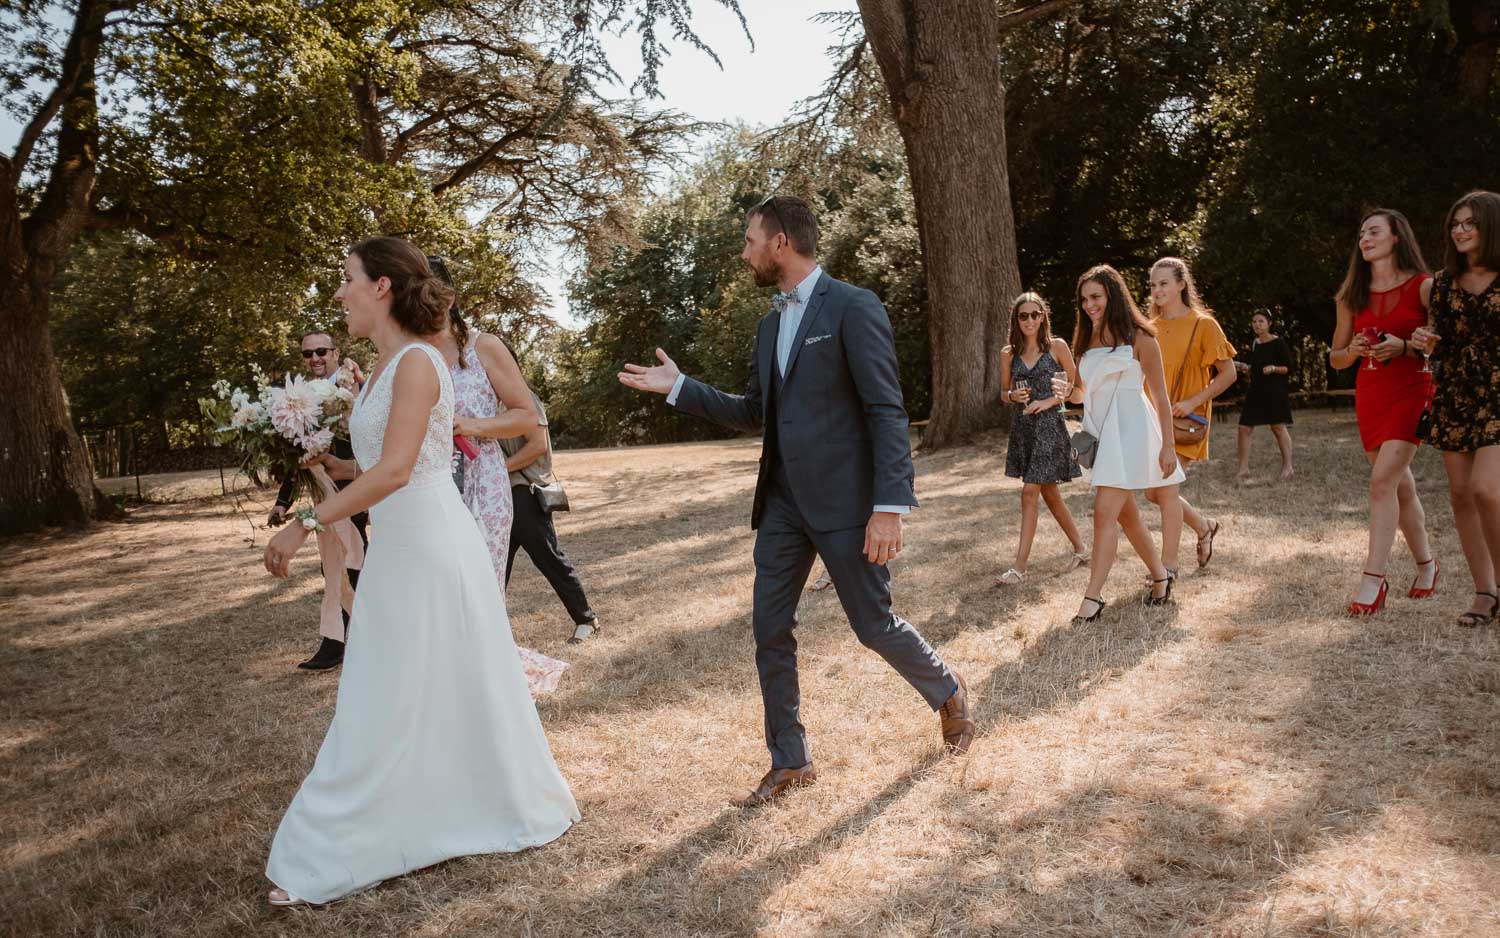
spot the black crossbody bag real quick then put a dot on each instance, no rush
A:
(1085, 444)
(551, 496)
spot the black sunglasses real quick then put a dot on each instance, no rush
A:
(320, 352)
(439, 265)
(770, 203)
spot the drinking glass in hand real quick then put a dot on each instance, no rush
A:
(1373, 337)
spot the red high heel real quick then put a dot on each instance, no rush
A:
(1424, 592)
(1360, 610)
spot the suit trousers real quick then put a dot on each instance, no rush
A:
(532, 530)
(785, 548)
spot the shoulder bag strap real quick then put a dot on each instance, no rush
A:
(1182, 369)
(1099, 426)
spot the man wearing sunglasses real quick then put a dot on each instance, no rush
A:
(835, 476)
(321, 359)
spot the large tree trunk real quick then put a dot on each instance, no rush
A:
(940, 62)
(44, 471)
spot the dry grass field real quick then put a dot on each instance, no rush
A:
(1248, 763)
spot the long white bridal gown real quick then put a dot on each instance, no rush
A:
(435, 750)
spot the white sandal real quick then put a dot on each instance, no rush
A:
(1076, 561)
(822, 583)
(584, 630)
(1010, 577)
(288, 899)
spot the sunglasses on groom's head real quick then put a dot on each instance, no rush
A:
(769, 202)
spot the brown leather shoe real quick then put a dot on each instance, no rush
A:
(776, 783)
(958, 728)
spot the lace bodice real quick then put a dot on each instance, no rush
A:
(373, 408)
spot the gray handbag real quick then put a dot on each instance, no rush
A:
(1085, 444)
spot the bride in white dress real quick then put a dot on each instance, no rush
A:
(435, 750)
(1123, 388)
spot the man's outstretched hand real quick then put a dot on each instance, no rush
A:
(658, 380)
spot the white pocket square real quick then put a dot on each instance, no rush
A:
(817, 338)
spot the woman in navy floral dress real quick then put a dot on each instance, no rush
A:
(1039, 454)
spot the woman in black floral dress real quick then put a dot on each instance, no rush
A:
(1039, 453)
(1466, 397)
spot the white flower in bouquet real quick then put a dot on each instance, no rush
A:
(344, 395)
(317, 442)
(344, 377)
(322, 387)
(245, 414)
(221, 388)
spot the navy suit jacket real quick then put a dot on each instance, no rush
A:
(838, 424)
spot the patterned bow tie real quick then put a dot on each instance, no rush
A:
(780, 301)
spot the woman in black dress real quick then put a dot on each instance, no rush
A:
(1039, 453)
(1268, 402)
(1465, 315)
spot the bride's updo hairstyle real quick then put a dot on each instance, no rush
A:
(420, 300)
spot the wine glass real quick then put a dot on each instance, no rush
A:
(1427, 353)
(1373, 336)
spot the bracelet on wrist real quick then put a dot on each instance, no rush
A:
(309, 519)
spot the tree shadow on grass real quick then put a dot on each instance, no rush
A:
(1127, 854)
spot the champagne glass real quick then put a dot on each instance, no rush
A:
(1427, 352)
(1372, 335)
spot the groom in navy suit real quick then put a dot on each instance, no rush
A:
(835, 475)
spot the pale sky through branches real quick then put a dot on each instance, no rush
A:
(758, 88)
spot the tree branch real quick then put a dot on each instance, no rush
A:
(1036, 11)
(67, 85)
(462, 173)
(50, 229)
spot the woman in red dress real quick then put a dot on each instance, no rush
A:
(1383, 299)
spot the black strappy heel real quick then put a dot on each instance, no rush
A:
(1097, 612)
(1472, 620)
(1164, 599)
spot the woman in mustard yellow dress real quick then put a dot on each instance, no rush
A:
(1199, 362)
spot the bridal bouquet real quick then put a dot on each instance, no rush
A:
(284, 424)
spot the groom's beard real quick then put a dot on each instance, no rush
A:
(767, 277)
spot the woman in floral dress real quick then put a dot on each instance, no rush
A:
(1465, 315)
(1039, 453)
(491, 402)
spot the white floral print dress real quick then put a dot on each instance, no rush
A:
(487, 494)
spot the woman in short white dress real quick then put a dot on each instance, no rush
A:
(1123, 389)
(435, 750)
